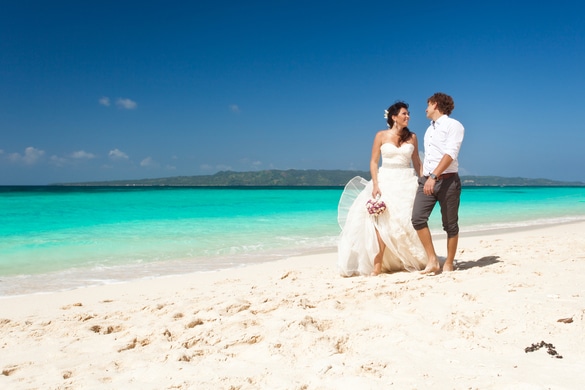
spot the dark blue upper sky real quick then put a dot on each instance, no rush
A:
(134, 89)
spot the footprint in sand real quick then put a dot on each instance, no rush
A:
(9, 370)
(106, 329)
(236, 306)
(67, 307)
(135, 343)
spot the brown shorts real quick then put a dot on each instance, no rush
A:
(448, 193)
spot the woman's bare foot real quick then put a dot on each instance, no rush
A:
(377, 270)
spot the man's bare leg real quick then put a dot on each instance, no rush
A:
(433, 265)
(378, 259)
(451, 251)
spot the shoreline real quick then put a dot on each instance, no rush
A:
(295, 323)
(90, 277)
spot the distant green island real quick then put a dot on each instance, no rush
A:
(306, 178)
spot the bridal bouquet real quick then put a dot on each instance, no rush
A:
(375, 206)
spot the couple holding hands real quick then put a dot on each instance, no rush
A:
(385, 225)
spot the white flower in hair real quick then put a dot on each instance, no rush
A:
(385, 114)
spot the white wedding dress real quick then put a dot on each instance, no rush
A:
(358, 244)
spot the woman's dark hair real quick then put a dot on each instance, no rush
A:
(445, 103)
(405, 133)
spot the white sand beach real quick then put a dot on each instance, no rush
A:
(297, 324)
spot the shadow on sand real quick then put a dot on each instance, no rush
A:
(483, 262)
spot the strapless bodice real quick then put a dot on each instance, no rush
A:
(396, 156)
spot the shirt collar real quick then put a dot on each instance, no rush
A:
(439, 120)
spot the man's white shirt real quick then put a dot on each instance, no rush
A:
(443, 136)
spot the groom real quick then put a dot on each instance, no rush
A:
(439, 181)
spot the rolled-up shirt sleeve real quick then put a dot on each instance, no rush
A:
(454, 139)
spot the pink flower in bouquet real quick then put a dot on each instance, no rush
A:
(375, 206)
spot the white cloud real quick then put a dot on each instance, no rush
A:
(123, 103)
(31, 155)
(234, 108)
(149, 162)
(126, 104)
(58, 161)
(117, 154)
(247, 162)
(212, 168)
(82, 154)
(69, 160)
(104, 101)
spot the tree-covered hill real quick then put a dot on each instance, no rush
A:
(304, 178)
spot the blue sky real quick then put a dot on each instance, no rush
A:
(108, 90)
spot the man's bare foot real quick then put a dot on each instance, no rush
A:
(433, 267)
(448, 267)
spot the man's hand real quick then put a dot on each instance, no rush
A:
(429, 187)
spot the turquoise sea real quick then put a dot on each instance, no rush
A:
(55, 238)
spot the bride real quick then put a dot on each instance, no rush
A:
(373, 243)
